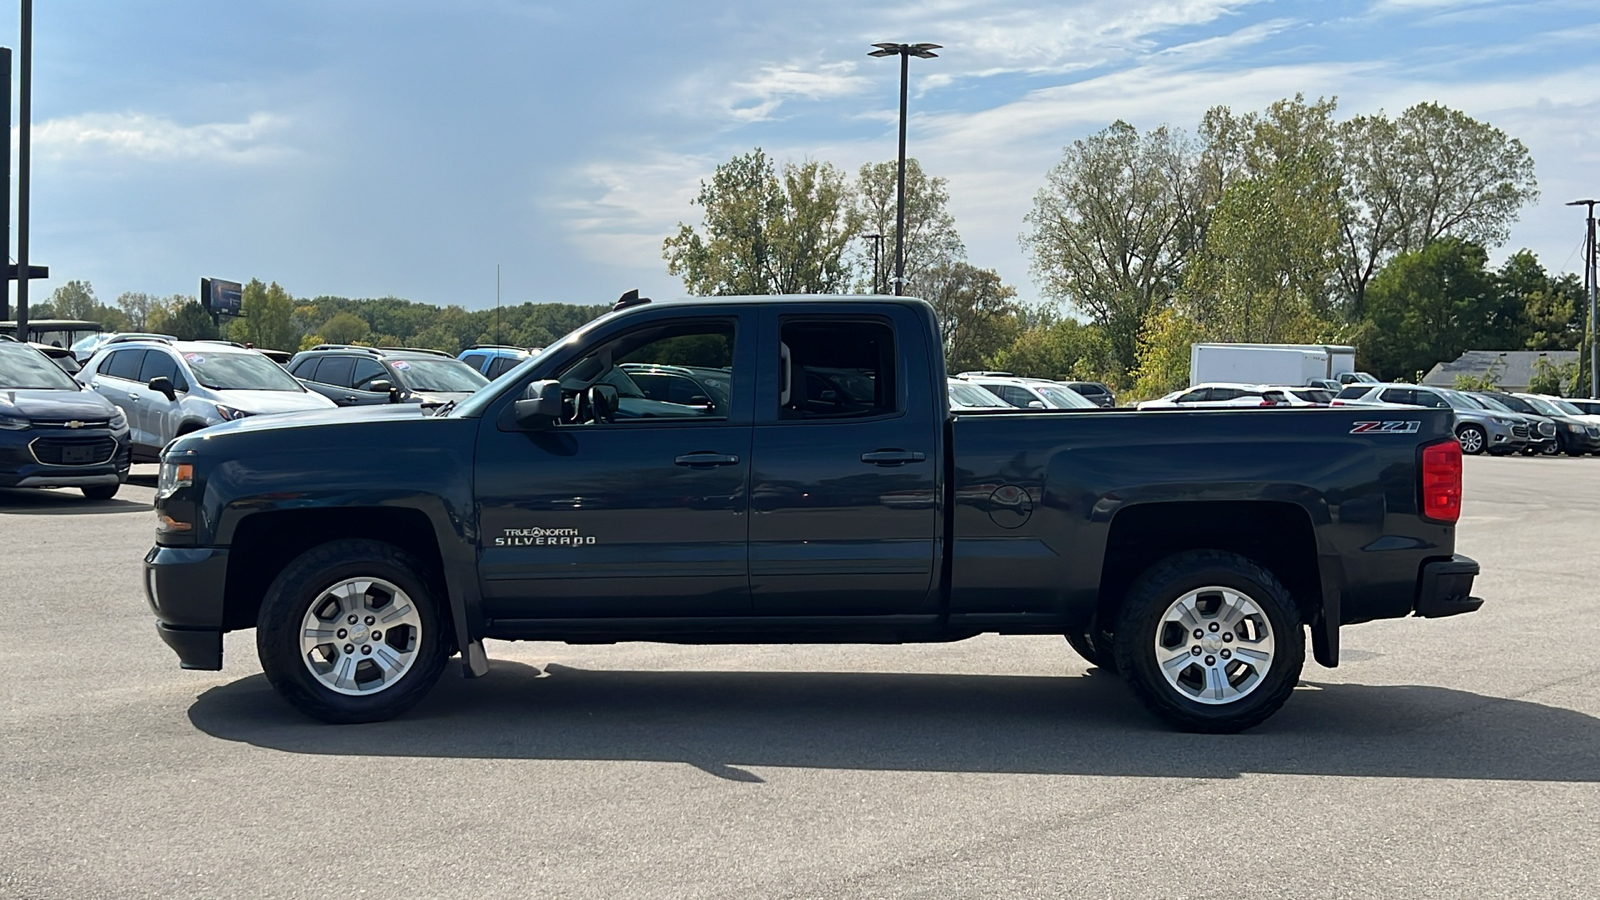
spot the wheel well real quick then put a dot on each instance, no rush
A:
(265, 543)
(1277, 536)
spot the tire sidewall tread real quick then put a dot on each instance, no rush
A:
(1147, 601)
(283, 611)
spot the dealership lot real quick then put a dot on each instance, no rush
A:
(1442, 759)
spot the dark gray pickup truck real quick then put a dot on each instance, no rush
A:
(787, 470)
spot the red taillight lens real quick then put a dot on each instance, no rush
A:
(1441, 482)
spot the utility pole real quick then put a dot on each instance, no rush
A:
(497, 303)
(1590, 276)
(877, 251)
(25, 139)
(5, 167)
(905, 52)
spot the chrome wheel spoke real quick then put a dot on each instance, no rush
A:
(333, 647)
(1235, 642)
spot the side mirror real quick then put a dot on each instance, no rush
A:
(1036, 404)
(540, 406)
(384, 386)
(162, 385)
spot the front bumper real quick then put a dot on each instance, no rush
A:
(185, 587)
(1444, 588)
(23, 466)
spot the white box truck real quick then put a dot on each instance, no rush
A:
(1292, 364)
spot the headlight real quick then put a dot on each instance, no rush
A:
(1501, 421)
(229, 414)
(15, 423)
(173, 476)
(1576, 429)
(118, 421)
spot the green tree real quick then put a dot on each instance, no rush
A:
(74, 300)
(343, 328)
(137, 307)
(1062, 349)
(931, 238)
(766, 234)
(1433, 172)
(268, 320)
(975, 309)
(1551, 378)
(1111, 230)
(191, 322)
(1430, 305)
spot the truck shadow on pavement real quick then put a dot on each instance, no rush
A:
(61, 503)
(724, 722)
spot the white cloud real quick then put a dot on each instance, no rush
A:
(757, 98)
(144, 137)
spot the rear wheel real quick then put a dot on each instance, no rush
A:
(350, 632)
(1472, 439)
(1210, 641)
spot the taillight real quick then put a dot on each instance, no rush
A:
(1441, 482)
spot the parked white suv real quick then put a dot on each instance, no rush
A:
(1224, 396)
(1031, 393)
(168, 388)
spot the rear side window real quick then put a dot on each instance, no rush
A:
(836, 369)
(1399, 395)
(1018, 397)
(124, 364)
(306, 368)
(1430, 400)
(1352, 392)
(1229, 393)
(475, 360)
(335, 370)
(1194, 396)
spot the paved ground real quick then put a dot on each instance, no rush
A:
(1446, 758)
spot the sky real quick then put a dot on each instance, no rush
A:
(366, 148)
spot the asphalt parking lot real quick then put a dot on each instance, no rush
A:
(1445, 758)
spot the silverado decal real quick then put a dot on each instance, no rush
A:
(1403, 426)
(542, 537)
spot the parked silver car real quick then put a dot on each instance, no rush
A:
(168, 388)
(1477, 429)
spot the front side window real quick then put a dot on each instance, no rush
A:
(367, 371)
(1194, 396)
(159, 364)
(674, 372)
(1351, 393)
(1403, 396)
(475, 360)
(832, 369)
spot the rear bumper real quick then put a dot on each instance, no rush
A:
(1445, 588)
(185, 587)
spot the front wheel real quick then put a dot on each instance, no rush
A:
(1472, 439)
(350, 632)
(100, 491)
(1210, 641)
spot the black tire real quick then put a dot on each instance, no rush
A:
(100, 491)
(1094, 646)
(1140, 622)
(302, 583)
(1473, 439)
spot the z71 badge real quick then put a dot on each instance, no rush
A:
(1403, 426)
(542, 537)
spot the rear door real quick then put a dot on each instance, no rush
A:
(844, 489)
(160, 415)
(117, 380)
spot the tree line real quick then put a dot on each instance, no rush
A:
(1284, 225)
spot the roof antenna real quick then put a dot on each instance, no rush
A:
(631, 298)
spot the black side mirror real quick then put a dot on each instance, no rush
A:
(162, 385)
(384, 386)
(540, 406)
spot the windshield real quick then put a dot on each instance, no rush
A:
(1565, 407)
(1543, 406)
(963, 394)
(1063, 398)
(23, 368)
(1457, 400)
(439, 374)
(1489, 403)
(231, 371)
(85, 344)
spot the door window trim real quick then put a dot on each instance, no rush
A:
(902, 391)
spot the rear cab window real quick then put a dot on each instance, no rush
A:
(836, 369)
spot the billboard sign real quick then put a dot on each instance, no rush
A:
(221, 298)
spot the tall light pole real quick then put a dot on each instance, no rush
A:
(25, 113)
(905, 52)
(1590, 275)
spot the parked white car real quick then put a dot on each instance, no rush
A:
(967, 396)
(167, 388)
(1224, 396)
(1031, 393)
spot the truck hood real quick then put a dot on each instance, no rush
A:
(266, 403)
(47, 404)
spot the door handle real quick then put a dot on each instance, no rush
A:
(134, 397)
(705, 459)
(892, 457)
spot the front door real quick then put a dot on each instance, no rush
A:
(844, 491)
(630, 506)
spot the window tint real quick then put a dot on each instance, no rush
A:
(158, 364)
(1352, 392)
(124, 364)
(366, 372)
(1399, 395)
(335, 370)
(698, 355)
(305, 368)
(1016, 396)
(475, 360)
(1194, 396)
(1226, 393)
(1430, 400)
(837, 370)
(501, 365)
